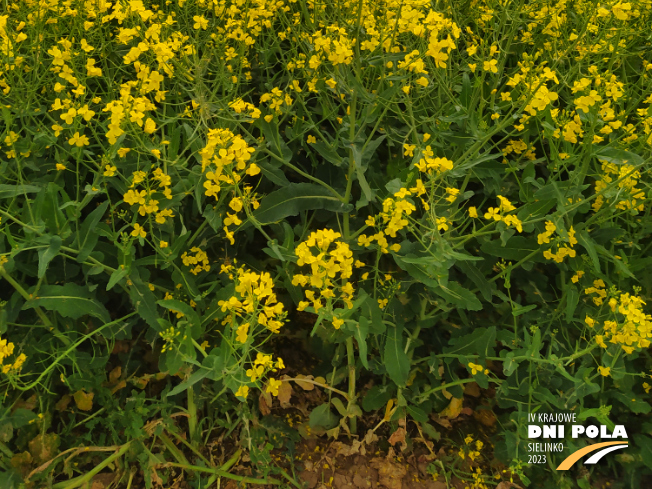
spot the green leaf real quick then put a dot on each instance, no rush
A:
(144, 301)
(274, 140)
(477, 277)
(481, 342)
(618, 156)
(585, 240)
(377, 397)
(190, 314)
(517, 248)
(8, 191)
(327, 152)
(572, 299)
(70, 300)
(192, 380)
(87, 235)
(323, 418)
(297, 197)
(458, 295)
(396, 360)
(46, 255)
(118, 274)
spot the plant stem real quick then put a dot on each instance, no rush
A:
(350, 353)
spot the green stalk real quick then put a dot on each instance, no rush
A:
(192, 418)
(350, 353)
(81, 480)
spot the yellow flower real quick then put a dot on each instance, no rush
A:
(241, 334)
(604, 371)
(123, 151)
(138, 231)
(200, 22)
(60, 167)
(109, 170)
(331, 83)
(337, 322)
(243, 391)
(79, 141)
(312, 139)
(273, 386)
(473, 212)
(150, 126)
(490, 66)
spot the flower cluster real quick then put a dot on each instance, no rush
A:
(226, 157)
(259, 367)
(331, 265)
(630, 327)
(156, 187)
(254, 303)
(500, 213)
(563, 250)
(199, 260)
(624, 178)
(6, 350)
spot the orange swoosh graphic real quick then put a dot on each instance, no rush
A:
(575, 456)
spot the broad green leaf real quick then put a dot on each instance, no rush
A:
(396, 360)
(297, 197)
(618, 156)
(87, 235)
(517, 248)
(46, 255)
(70, 300)
(360, 331)
(378, 396)
(585, 240)
(323, 418)
(327, 152)
(174, 305)
(572, 299)
(458, 295)
(477, 277)
(8, 191)
(192, 380)
(119, 273)
(144, 301)
(481, 342)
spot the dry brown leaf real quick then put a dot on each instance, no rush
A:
(62, 404)
(102, 481)
(347, 450)
(441, 421)
(370, 437)
(29, 404)
(472, 389)
(454, 409)
(508, 485)
(121, 385)
(265, 403)
(398, 437)
(83, 400)
(284, 394)
(44, 447)
(115, 374)
(306, 386)
(485, 416)
(22, 462)
(390, 474)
